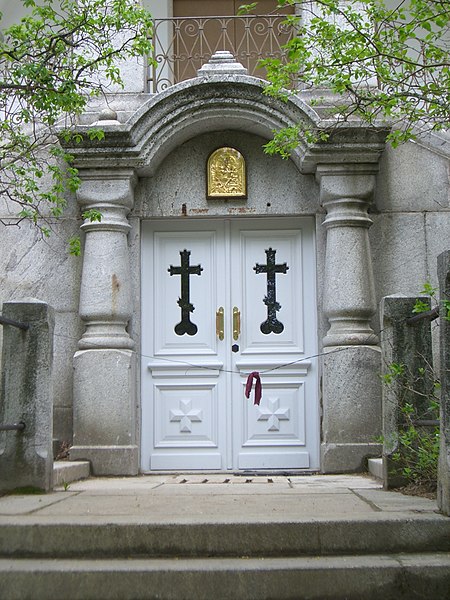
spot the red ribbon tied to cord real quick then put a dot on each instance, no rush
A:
(258, 387)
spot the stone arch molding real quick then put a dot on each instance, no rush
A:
(186, 110)
(201, 105)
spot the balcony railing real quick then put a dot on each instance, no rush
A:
(182, 45)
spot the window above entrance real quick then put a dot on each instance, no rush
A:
(200, 28)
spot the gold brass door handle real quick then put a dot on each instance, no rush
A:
(220, 323)
(236, 323)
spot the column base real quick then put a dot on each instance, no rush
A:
(351, 401)
(106, 335)
(104, 411)
(347, 458)
(350, 332)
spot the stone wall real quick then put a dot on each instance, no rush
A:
(411, 216)
(178, 189)
(31, 266)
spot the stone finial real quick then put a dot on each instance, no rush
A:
(222, 63)
(107, 116)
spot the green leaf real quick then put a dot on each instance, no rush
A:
(245, 9)
(428, 289)
(75, 246)
(96, 134)
(92, 215)
(420, 307)
(446, 305)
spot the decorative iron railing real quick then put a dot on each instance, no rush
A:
(182, 45)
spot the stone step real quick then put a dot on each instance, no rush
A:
(66, 471)
(391, 577)
(375, 467)
(191, 537)
(82, 537)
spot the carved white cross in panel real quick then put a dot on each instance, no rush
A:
(185, 415)
(273, 414)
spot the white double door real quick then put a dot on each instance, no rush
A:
(220, 300)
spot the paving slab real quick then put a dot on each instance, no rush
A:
(170, 507)
(335, 482)
(395, 501)
(29, 504)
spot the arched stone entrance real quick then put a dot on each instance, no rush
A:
(221, 99)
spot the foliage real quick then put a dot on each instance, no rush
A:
(58, 57)
(394, 370)
(420, 306)
(385, 61)
(416, 453)
(416, 444)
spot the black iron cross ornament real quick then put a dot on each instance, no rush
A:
(271, 324)
(184, 302)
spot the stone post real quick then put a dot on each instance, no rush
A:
(105, 366)
(26, 457)
(351, 366)
(443, 495)
(410, 346)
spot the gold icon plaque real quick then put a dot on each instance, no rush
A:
(226, 174)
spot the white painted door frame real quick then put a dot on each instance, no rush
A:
(194, 413)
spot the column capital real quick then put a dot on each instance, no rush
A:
(106, 186)
(346, 182)
(111, 193)
(348, 145)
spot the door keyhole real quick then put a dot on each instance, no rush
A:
(235, 348)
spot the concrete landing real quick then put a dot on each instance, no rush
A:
(215, 498)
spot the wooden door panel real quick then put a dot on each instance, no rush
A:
(207, 8)
(248, 40)
(182, 368)
(285, 247)
(202, 249)
(203, 8)
(276, 288)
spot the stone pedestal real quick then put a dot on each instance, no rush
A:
(351, 392)
(105, 411)
(26, 458)
(105, 399)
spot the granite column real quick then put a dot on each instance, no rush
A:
(105, 424)
(351, 364)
